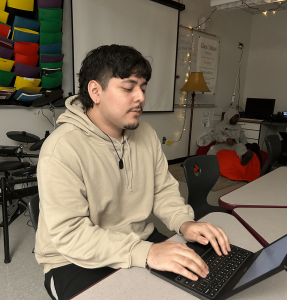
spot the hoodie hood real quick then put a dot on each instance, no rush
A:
(75, 114)
(229, 114)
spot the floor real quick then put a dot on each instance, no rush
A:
(23, 278)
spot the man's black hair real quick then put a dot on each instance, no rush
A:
(106, 62)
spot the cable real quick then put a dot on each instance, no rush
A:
(183, 128)
(52, 109)
(208, 19)
(29, 224)
(46, 117)
(238, 76)
(239, 87)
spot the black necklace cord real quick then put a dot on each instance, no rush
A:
(121, 163)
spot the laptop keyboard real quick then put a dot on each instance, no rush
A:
(221, 269)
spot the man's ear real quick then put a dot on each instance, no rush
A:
(95, 91)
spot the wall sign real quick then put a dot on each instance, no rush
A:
(207, 61)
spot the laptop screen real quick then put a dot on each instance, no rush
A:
(259, 108)
(270, 258)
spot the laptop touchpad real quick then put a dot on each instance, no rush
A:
(198, 248)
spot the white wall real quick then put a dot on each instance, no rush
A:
(67, 83)
(231, 26)
(267, 62)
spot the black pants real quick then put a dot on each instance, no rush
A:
(71, 279)
(255, 148)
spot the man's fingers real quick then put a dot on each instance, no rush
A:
(205, 232)
(177, 258)
(191, 260)
(229, 142)
(199, 239)
(227, 244)
(194, 265)
(178, 269)
(214, 244)
(218, 241)
(217, 238)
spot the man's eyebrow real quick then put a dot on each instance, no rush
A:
(134, 81)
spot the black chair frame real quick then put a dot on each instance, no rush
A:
(200, 183)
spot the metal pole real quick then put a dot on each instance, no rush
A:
(7, 258)
(191, 117)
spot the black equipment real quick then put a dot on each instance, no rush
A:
(7, 186)
(38, 145)
(22, 169)
(31, 170)
(48, 97)
(22, 136)
(259, 108)
(8, 150)
(61, 102)
(233, 273)
(280, 117)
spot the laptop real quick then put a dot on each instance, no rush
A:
(258, 108)
(233, 273)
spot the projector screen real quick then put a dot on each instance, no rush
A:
(149, 27)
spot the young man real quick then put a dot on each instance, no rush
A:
(101, 174)
(230, 136)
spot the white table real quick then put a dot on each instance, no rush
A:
(139, 284)
(269, 190)
(265, 224)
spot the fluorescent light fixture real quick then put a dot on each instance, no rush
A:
(234, 4)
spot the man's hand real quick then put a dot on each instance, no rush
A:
(230, 142)
(204, 233)
(176, 257)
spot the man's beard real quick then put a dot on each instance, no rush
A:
(131, 126)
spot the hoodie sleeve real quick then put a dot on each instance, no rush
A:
(220, 133)
(169, 206)
(64, 218)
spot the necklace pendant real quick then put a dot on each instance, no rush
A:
(121, 164)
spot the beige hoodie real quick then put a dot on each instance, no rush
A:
(92, 213)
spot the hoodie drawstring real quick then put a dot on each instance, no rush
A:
(129, 184)
(129, 148)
